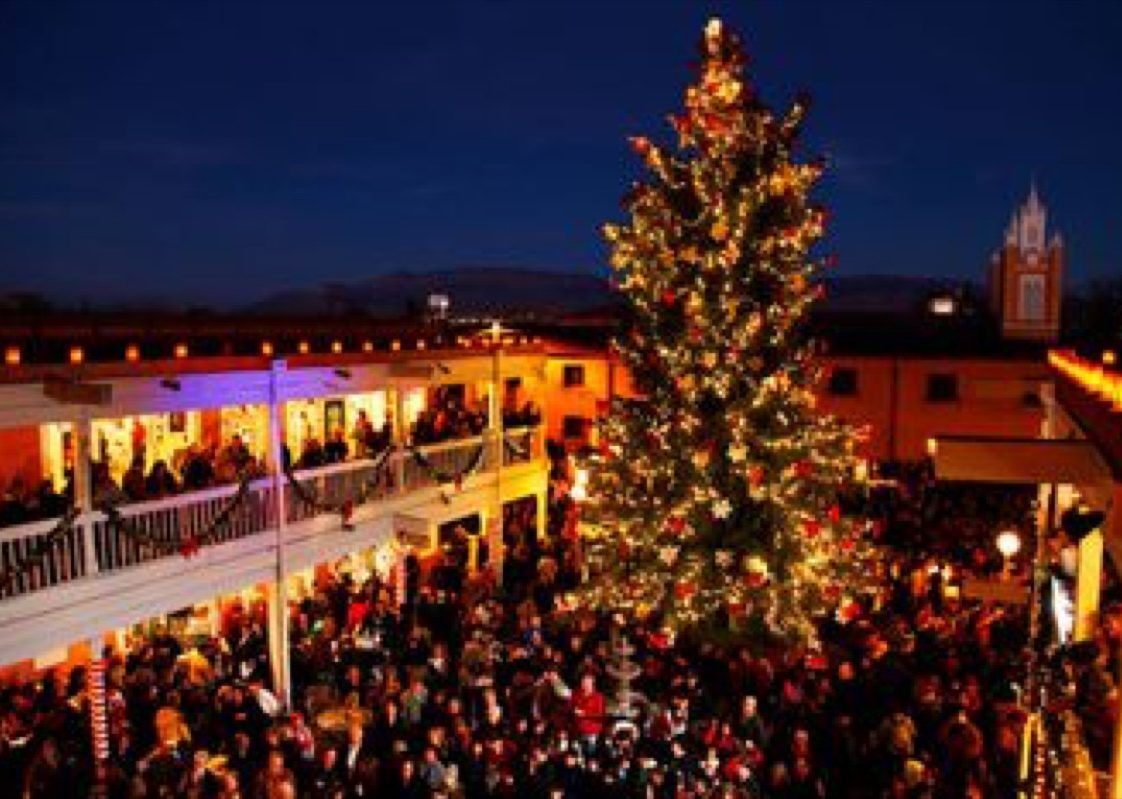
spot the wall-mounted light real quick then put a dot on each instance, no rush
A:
(77, 355)
(267, 349)
(368, 346)
(12, 356)
(304, 348)
(132, 353)
(181, 350)
(171, 384)
(336, 347)
(420, 343)
(395, 345)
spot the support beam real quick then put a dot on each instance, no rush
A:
(1018, 460)
(1088, 584)
(278, 589)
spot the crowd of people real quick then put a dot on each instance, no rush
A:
(197, 467)
(201, 466)
(448, 417)
(445, 685)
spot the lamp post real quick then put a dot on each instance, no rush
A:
(1008, 544)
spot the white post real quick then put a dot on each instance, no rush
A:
(400, 438)
(83, 490)
(541, 510)
(278, 591)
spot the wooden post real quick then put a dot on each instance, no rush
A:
(1088, 584)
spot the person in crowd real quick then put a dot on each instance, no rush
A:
(492, 692)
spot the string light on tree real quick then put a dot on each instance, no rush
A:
(720, 484)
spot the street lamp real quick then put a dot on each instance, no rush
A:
(1008, 544)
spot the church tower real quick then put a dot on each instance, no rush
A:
(1025, 275)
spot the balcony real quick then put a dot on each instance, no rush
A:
(93, 573)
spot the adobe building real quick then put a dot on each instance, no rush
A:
(952, 367)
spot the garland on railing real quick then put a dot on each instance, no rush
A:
(515, 449)
(42, 550)
(345, 508)
(442, 478)
(189, 545)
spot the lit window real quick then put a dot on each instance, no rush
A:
(573, 376)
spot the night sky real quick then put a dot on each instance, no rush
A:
(212, 154)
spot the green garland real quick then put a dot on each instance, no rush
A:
(344, 508)
(44, 548)
(444, 478)
(192, 543)
(514, 449)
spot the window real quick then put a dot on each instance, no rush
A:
(843, 382)
(1030, 300)
(573, 427)
(942, 387)
(573, 375)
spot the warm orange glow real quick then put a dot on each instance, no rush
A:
(12, 356)
(1106, 384)
(420, 343)
(396, 345)
(77, 355)
(336, 347)
(267, 349)
(181, 350)
(304, 348)
(132, 353)
(368, 346)
(1109, 357)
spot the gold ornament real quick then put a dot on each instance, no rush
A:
(720, 230)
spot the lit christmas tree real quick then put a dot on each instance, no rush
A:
(719, 488)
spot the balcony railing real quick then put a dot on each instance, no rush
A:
(522, 445)
(47, 553)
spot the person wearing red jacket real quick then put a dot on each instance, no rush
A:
(589, 709)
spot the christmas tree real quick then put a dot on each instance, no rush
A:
(719, 486)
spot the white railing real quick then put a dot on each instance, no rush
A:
(522, 445)
(434, 464)
(20, 543)
(153, 530)
(359, 482)
(150, 531)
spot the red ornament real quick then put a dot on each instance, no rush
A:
(847, 544)
(695, 334)
(641, 145)
(189, 547)
(832, 592)
(684, 590)
(755, 476)
(803, 469)
(669, 297)
(811, 528)
(755, 579)
(850, 611)
(736, 608)
(675, 524)
(834, 514)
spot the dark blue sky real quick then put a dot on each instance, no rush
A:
(207, 152)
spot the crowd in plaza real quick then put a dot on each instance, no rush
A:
(476, 689)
